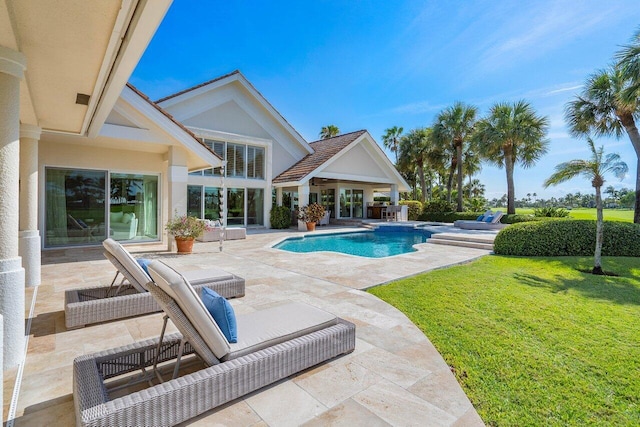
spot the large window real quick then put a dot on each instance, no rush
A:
(351, 203)
(255, 162)
(76, 206)
(203, 202)
(235, 204)
(243, 161)
(255, 206)
(241, 211)
(133, 208)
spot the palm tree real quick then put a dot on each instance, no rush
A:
(391, 139)
(454, 125)
(512, 133)
(600, 110)
(593, 169)
(329, 131)
(415, 148)
(629, 63)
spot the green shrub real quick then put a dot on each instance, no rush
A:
(415, 208)
(567, 238)
(449, 216)
(438, 205)
(551, 212)
(515, 218)
(280, 217)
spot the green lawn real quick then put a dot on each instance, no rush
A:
(625, 215)
(533, 341)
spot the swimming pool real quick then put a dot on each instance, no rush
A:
(379, 243)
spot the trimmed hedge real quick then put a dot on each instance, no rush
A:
(568, 238)
(448, 216)
(472, 216)
(415, 208)
(280, 217)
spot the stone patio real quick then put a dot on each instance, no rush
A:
(394, 377)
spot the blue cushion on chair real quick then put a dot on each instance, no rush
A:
(480, 218)
(144, 263)
(489, 218)
(222, 312)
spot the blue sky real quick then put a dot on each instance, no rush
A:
(376, 64)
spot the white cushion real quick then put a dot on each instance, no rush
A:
(129, 263)
(116, 216)
(264, 328)
(126, 218)
(198, 277)
(178, 288)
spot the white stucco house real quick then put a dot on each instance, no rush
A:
(85, 156)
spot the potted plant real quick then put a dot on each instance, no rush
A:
(311, 214)
(185, 229)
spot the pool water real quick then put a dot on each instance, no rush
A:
(370, 244)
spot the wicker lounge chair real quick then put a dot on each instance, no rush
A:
(100, 304)
(272, 344)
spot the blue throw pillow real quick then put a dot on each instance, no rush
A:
(489, 218)
(222, 312)
(480, 218)
(144, 263)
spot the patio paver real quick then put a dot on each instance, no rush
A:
(394, 377)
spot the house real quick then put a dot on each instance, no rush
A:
(85, 156)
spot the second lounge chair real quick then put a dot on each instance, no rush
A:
(105, 303)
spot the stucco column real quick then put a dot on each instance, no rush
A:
(29, 247)
(177, 176)
(303, 200)
(395, 197)
(12, 66)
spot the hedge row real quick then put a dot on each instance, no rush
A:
(471, 216)
(567, 238)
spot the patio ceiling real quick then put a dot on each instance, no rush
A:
(75, 47)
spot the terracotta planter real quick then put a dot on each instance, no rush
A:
(185, 244)
(311, 226)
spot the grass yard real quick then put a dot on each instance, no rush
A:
(625, 215)
(533, 341)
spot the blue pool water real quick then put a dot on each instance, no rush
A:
(371, 244)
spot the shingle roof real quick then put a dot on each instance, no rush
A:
(323, 150)
(198, 86)
(170, 117)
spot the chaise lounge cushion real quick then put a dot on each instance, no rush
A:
(264, 328)
(124, 257)
(178, 288)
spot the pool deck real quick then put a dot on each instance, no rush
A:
(394, 377)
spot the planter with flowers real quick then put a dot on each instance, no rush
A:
(311, 214)
(185, 229)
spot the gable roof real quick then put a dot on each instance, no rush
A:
(171, 118)
(236, 76)
(324, 150)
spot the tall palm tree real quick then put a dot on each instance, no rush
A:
(601, 110)
(629, 63)
(454, 125)
(512, 133)
(593, 169)
(391, 139)
(415, 149)
(329, 131)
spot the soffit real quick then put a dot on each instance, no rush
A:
(76, 46)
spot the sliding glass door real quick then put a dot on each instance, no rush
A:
(351, 203)
(76, 207)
